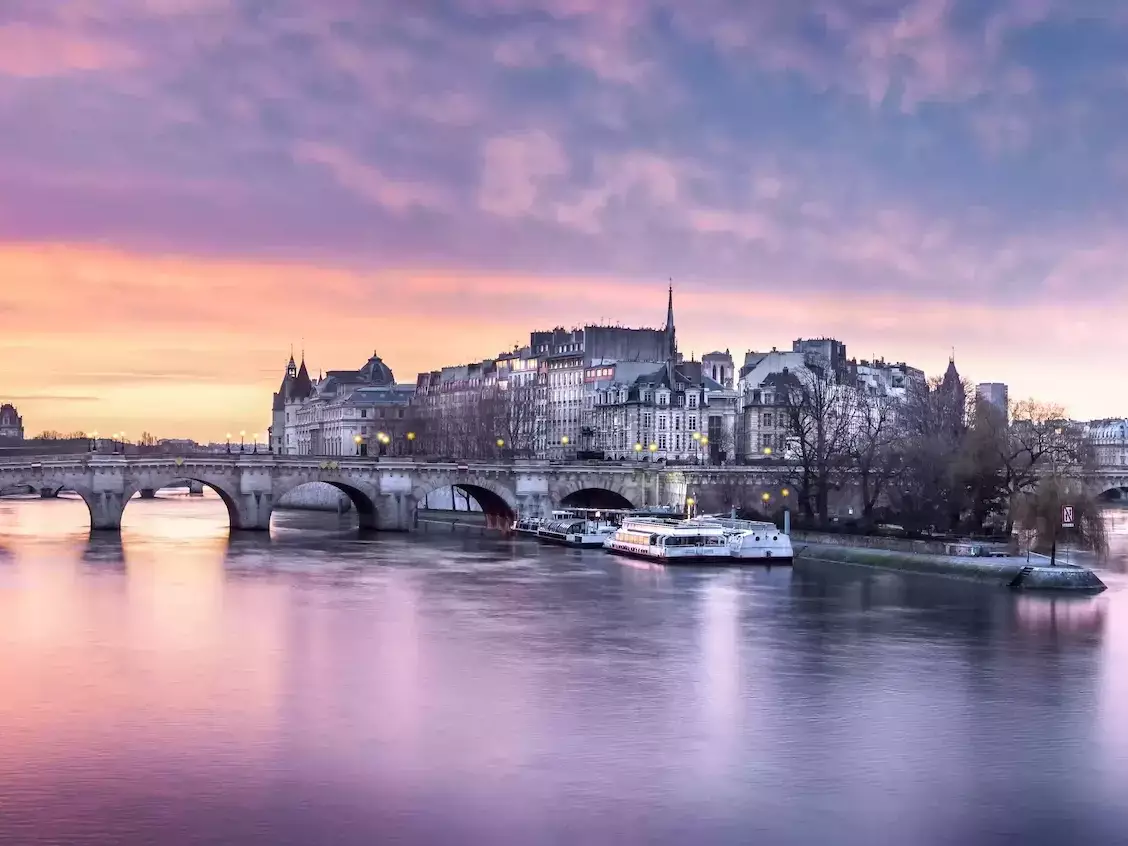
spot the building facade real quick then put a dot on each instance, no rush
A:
(11, 424)
(995, 393)
(673, 413)
(1109, 441)
(344, 412)
(538, 400)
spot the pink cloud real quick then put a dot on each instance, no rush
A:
(32, 51)
(370, 183)
(514, 168)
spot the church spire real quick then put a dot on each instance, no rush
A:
(671, 333)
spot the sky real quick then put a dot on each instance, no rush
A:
(190, 187)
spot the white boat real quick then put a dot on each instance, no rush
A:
(527, 525)
(578, 531)
(670, 541)
(752, 539)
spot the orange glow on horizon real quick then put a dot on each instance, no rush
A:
(193, 347)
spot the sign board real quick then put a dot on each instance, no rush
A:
(1067, 516)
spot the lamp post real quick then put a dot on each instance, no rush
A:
(689, 503)
(382, 439)
(94, 441)
(242, 439)
(638, 452)
(256, 443)
(768, 452)
(786, 512)
(766, 498)
(697, 446)
(705, 446)
(500, 447)
(228, 442)
(356, 440)
(411, 443)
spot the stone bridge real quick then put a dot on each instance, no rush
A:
(385, 492)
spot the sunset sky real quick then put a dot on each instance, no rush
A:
(188, 187)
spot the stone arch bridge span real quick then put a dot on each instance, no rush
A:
(385, 491)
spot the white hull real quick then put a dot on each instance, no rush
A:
(679, 555)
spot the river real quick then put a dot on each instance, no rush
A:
(172, 686)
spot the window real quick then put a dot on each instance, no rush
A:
(662, 423)
(662, 442)
(677, 424)
(692, 400)
(693, 423)
(364, 412)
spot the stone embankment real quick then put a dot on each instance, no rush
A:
(316, 496)
(1002, 570)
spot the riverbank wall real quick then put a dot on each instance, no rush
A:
(316, 496)
(1008, 571)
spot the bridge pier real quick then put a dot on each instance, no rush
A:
(148, 493)
(48, 493)
(106, 508)
(252, 512)
(195, 488)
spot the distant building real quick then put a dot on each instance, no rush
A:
(832, 353)
(719, 367)
(1109, 440)
(345, 412)
(995, 393)
(296, 385)
(675, 413)
(11, 424)
(540, 400)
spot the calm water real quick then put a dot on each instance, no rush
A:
(173, 687)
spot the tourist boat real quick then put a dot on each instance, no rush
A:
(527, 525)
(670, 541)
(578, 529)
(752, 539)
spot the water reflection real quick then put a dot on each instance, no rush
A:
(178, 685)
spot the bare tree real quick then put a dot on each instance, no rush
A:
(819, 412)
(147, 439)
(872, 446)
(928, 493)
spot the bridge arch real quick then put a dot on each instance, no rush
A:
(92, 501)
(1114, 493)
(594, 493)
(222, 487)
(363, 499)
(596, 498)
(497, 500)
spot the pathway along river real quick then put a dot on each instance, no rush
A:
(175, 687)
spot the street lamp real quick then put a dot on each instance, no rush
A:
(638, 452)
(242, 438)
(500, 446)
(382, 439)
(411, 443)
(767, 450)
(653, 449)
(356, 440)
(256, 443)
(229, 442)
(94, 441)
(786, 512)
(705, 446)
(689, 503)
